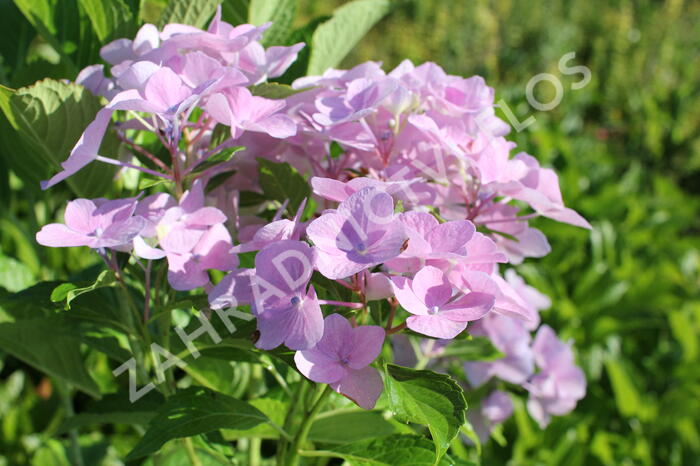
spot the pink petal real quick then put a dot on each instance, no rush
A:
(436, 326)
(317, 366)
(57, 235)
(367, 344)
(362, 386)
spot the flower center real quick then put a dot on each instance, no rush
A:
(361, 248)
(295, 300)
(344, 361)
(433, 310)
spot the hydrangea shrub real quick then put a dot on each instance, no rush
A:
(353, 233)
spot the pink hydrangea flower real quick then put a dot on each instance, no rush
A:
(361, 233)
(287, 311)
(96, 224)
(495, 409)
(342, 358)
(559, 385)
(437, 310)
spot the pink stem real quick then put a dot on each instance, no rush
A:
(135, 167)
(340, 303)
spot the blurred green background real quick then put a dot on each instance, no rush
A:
(627, 149)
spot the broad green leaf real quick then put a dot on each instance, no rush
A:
(69, 292)
(115, 409)
(49, 117)
(49, 344)
(473, 349)
(110, 20)
(275, 90)
(195, 13)
(334, 39)
(195, 411)
(428, 398)
(14, 275)
(281, 181)
(344, 427)
(235, 11)
(393, 450)
(279, 12)
(274, 409)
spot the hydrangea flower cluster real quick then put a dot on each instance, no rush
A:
(416, 202)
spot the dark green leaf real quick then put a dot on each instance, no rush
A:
(115, 409)
(275, 90)
(69, 292)
(393, 450)
(195, 411)
(281, 181)
(49, 345)
(345, 427)
(221, 157)
(428, 398)
(110, 20)
(473, 349)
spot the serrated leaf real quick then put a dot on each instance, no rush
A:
(279, 12)
(281, 181)
(393, 450)
(49, 117)
(334, 39)
(344, 427)
(275, 90)
(195, 13)
(427, 398)
(195, 411)
(110, 20)
(49, 345)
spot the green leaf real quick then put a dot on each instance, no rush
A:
(473, 349)
(115, 409)
(281, 181)
(221, 157)
(279, 12)
(69, 291)
(195, 13)
(235, 11)
(195, 411)
(110, 20)
(393, 450)
(334, 39)
(14, 275)
(275, 90)
(48, 344)
(427, 398)
(49, 117)
(344, 427)
(627, 398)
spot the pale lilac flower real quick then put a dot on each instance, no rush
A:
(287, 311)
(496, 408)
(437, 310)
(242, 111)
(96, 224)
(342, 359)
(559, 385)
(361, 233)
(510, 336)
(188, 270)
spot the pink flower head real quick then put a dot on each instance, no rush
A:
(341, 358)
(512, 338)
(431, 242)
(361, 233)
(188, 270)
(238, 108)
(96, 224)
(181, 227)
(287, 312)
(560, 383)
(437, 311)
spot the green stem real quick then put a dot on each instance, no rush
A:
(191, 452)
(296, 402)
(305, 427)
(65, 393)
